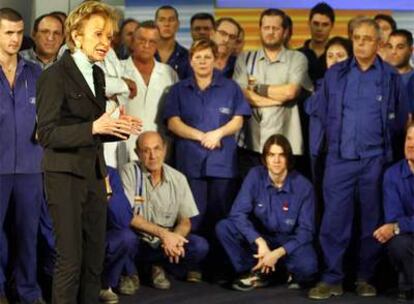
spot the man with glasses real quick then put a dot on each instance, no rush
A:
(202, 26)
(151, 77)
(225, 36)
(48, 34)
(169, 51)
(272, 79)
(363, 108)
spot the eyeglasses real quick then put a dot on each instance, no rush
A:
(225, 34)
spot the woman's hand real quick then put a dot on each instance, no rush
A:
(135, 122)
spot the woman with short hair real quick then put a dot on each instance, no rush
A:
(72, 124)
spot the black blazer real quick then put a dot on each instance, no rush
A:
(66, 109)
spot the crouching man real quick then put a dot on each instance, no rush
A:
(398, 230)
(271, 221)
(163, 205)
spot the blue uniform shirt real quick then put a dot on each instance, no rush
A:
(408, 80)
(206, 110)
(399, 196)
(260, 209)
(179, 61)
(362, 124)
(229, 68)
(19, 150)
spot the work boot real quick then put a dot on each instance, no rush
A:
(159, 279)
(364, 289)
(323, 291)
(108, 296)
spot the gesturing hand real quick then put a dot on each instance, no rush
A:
(111, 126)
(135, 122)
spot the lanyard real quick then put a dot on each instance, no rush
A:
(138, 205)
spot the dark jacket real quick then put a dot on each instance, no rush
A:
(326, 109)
(66, 109)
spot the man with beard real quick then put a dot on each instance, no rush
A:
(169, 51)
(225, 36)
(272, 79)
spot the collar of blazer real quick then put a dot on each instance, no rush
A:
(74, 72)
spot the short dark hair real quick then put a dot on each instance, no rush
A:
(228, 19)
(59, 13)
(404, 33)
(166, 7)
(283, 142)
(202, 16)
(387, 18)
(323, 8)
(275, 12)
(148, 24)
(10, 14)
(344, 42)
(40, 18)
(125, 22)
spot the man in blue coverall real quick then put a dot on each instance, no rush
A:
(272, 220)
(363, 107)
(21, 187)
(398, 230)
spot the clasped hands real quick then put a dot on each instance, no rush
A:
(267, 259)
(173, 245)
(212, 139)
(121, 127)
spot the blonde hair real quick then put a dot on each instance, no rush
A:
(82, 13)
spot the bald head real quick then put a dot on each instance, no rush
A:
(151, 150)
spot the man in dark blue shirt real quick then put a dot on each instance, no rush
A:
(169, 50)
(362, 106)
(272, 220)
(20, 174)
(398, 230)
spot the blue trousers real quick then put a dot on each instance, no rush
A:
(121, 250)
(302, 262)
(345, 183)
(401, 251)
(195, 251)
(23, 194)
(214, 198)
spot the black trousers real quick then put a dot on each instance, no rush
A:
(78, 209)
(401, 251)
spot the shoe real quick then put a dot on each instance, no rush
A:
(159, 280)
(126, 286)
(323, 291)
(292, 283)
(3, 300)
(364, 289)
(404, 296)
(249, 282)
(135, 281)
(194, 277)
(108, 296)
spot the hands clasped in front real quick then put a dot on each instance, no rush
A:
(267, 259)
(121, 127)
(212, 139)
(173, 245)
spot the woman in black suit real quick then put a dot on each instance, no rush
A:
(72, 124)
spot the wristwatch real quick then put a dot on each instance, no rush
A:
(396, 229)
